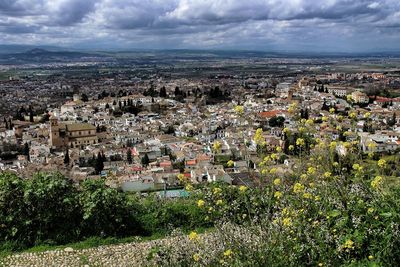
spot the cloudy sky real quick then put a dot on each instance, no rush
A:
(297, 25)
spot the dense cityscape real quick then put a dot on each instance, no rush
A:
(199, 133)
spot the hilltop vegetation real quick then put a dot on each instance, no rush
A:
(48, 209)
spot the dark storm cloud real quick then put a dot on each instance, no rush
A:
(208, 23)
(72, 12)
(20, 7)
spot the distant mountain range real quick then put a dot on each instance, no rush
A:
(26, 54)
(40, 55)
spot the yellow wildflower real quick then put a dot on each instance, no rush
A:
(370, 210)
(349, 244)
(300, 142)
(332, 145)
(196, 257)
(349, 98)
(370, 257)
(371, 145)
(382, 163)
(189, 187)
(311, 170)
(357, 167)
(291, 147)
(278, 194)
(217, 190)
(278, 149)
(327, 174)
(287, 221)
(303, 176)
(332, 110)
(219, 202)
(193, 236)
(307, 195)
(286, 130)
(317, 198)
(217, 146)
(200, 203)
(292, 107)
(239, 109)
(352, 115)
(273, 170)
(376, 182)
(230, 163)
(277, 181)
(258, 136)
(298, 187)
(242, 188)
(228, 253)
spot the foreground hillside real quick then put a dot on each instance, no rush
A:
(129, 254)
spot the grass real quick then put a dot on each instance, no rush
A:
(89, 243)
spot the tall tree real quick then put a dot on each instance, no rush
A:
(31, 115)
(26, 151)
(163, 92)
(145, 160)
(129, 156)
(99, 163)
(66, 157)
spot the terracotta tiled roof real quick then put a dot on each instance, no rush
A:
(270, 114)
(165, 164)
(191, 162)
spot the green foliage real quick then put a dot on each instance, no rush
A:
(11, 207)
(50, 204)
(163, 216)
(145, 160)
(105, 210)
(48, 210)
(276, 121)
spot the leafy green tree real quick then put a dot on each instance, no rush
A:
(105, 210)
(276, 121)
(51, 209)
(12, 210)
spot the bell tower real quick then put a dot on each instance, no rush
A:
(55, 140)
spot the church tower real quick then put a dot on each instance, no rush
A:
(55, 139)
